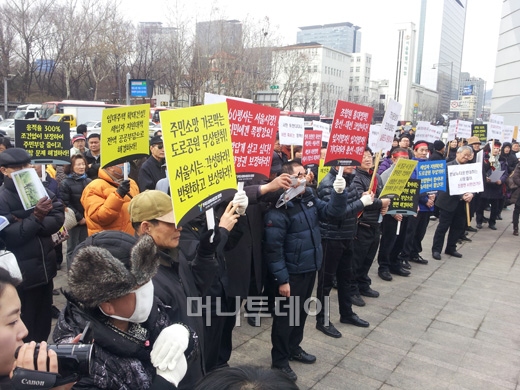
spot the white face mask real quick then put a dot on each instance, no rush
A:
(291, 193)
(143, 305)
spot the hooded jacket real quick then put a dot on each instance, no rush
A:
(341, 226)
(104, 208)
(292, 239)
(28, 238)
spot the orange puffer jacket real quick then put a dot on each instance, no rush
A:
(104, 208)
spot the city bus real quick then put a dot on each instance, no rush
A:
(57, 107)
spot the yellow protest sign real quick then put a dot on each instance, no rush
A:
(398, 178)
(199, 157)
(124, 134)
(322, 170)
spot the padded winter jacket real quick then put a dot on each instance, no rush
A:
(104, 208)
(292, 239)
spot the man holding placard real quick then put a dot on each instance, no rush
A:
(452, 212)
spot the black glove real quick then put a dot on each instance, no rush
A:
(205, 246)
(124, 188)
(42, 208)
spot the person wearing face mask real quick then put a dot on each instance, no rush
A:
(293, 251)
(106, 201)
(136, 346)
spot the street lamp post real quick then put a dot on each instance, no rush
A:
(451, 77)
(6, 104)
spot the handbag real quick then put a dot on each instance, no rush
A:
(70, 219)
(510, 183)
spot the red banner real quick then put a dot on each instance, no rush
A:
(253, 132)
(348, 134)
(311, 151)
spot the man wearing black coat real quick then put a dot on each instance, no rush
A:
(452, 214)
(28, 236)
(337, 235)
(154, 168)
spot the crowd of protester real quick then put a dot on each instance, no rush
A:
(161, 298)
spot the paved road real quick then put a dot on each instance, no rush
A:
(453, 324)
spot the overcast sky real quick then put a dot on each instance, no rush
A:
(377, 19)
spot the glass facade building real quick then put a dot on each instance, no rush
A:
(344, 37)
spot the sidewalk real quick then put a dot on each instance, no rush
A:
(452, 324)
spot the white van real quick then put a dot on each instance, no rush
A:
(28, 111)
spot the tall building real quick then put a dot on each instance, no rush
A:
(474, 90)
(344, 37)
(218, 36)
(402, 77)
(506, 99)
(360, 68)
(439, 48)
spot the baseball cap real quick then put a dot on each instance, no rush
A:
(78, 137)
(151, 204)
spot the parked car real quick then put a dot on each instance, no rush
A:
(7, 125)
(92, 127)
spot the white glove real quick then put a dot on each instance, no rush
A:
(168, 353)
(367, 200)
(242, 201)
(339, 184)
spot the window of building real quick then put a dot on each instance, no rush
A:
(357, 68)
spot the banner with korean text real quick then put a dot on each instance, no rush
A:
(46, 142)
(495, 127)
(290, 130)
(125, 134)
(388, 126)
(253, 132)
(398, 178)
(348, 134)
(311, 152)
(464, 178)
(427, 132)
(408, 201)
(324, 128)
(432, 175)
(479, 131)
(199, 157)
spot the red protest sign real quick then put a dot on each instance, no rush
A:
(253, 132)
(348, 134)
(311, 151)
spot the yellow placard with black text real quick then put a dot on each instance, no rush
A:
(396, 183)
(322, 170)
(125, 134)
(199, 158)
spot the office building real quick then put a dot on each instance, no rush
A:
(506, 96)
(344, 37)
(439, 48)
(360, 68)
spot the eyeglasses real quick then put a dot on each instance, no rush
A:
(159, 146)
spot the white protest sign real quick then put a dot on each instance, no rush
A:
(452, 130)
(507, 133)
(373, 137)
(211, 98)
(495, 126)
(464, 129)
(325, 130)
(387, 132)
(464, 178)
(427, 132)
(290, 130)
